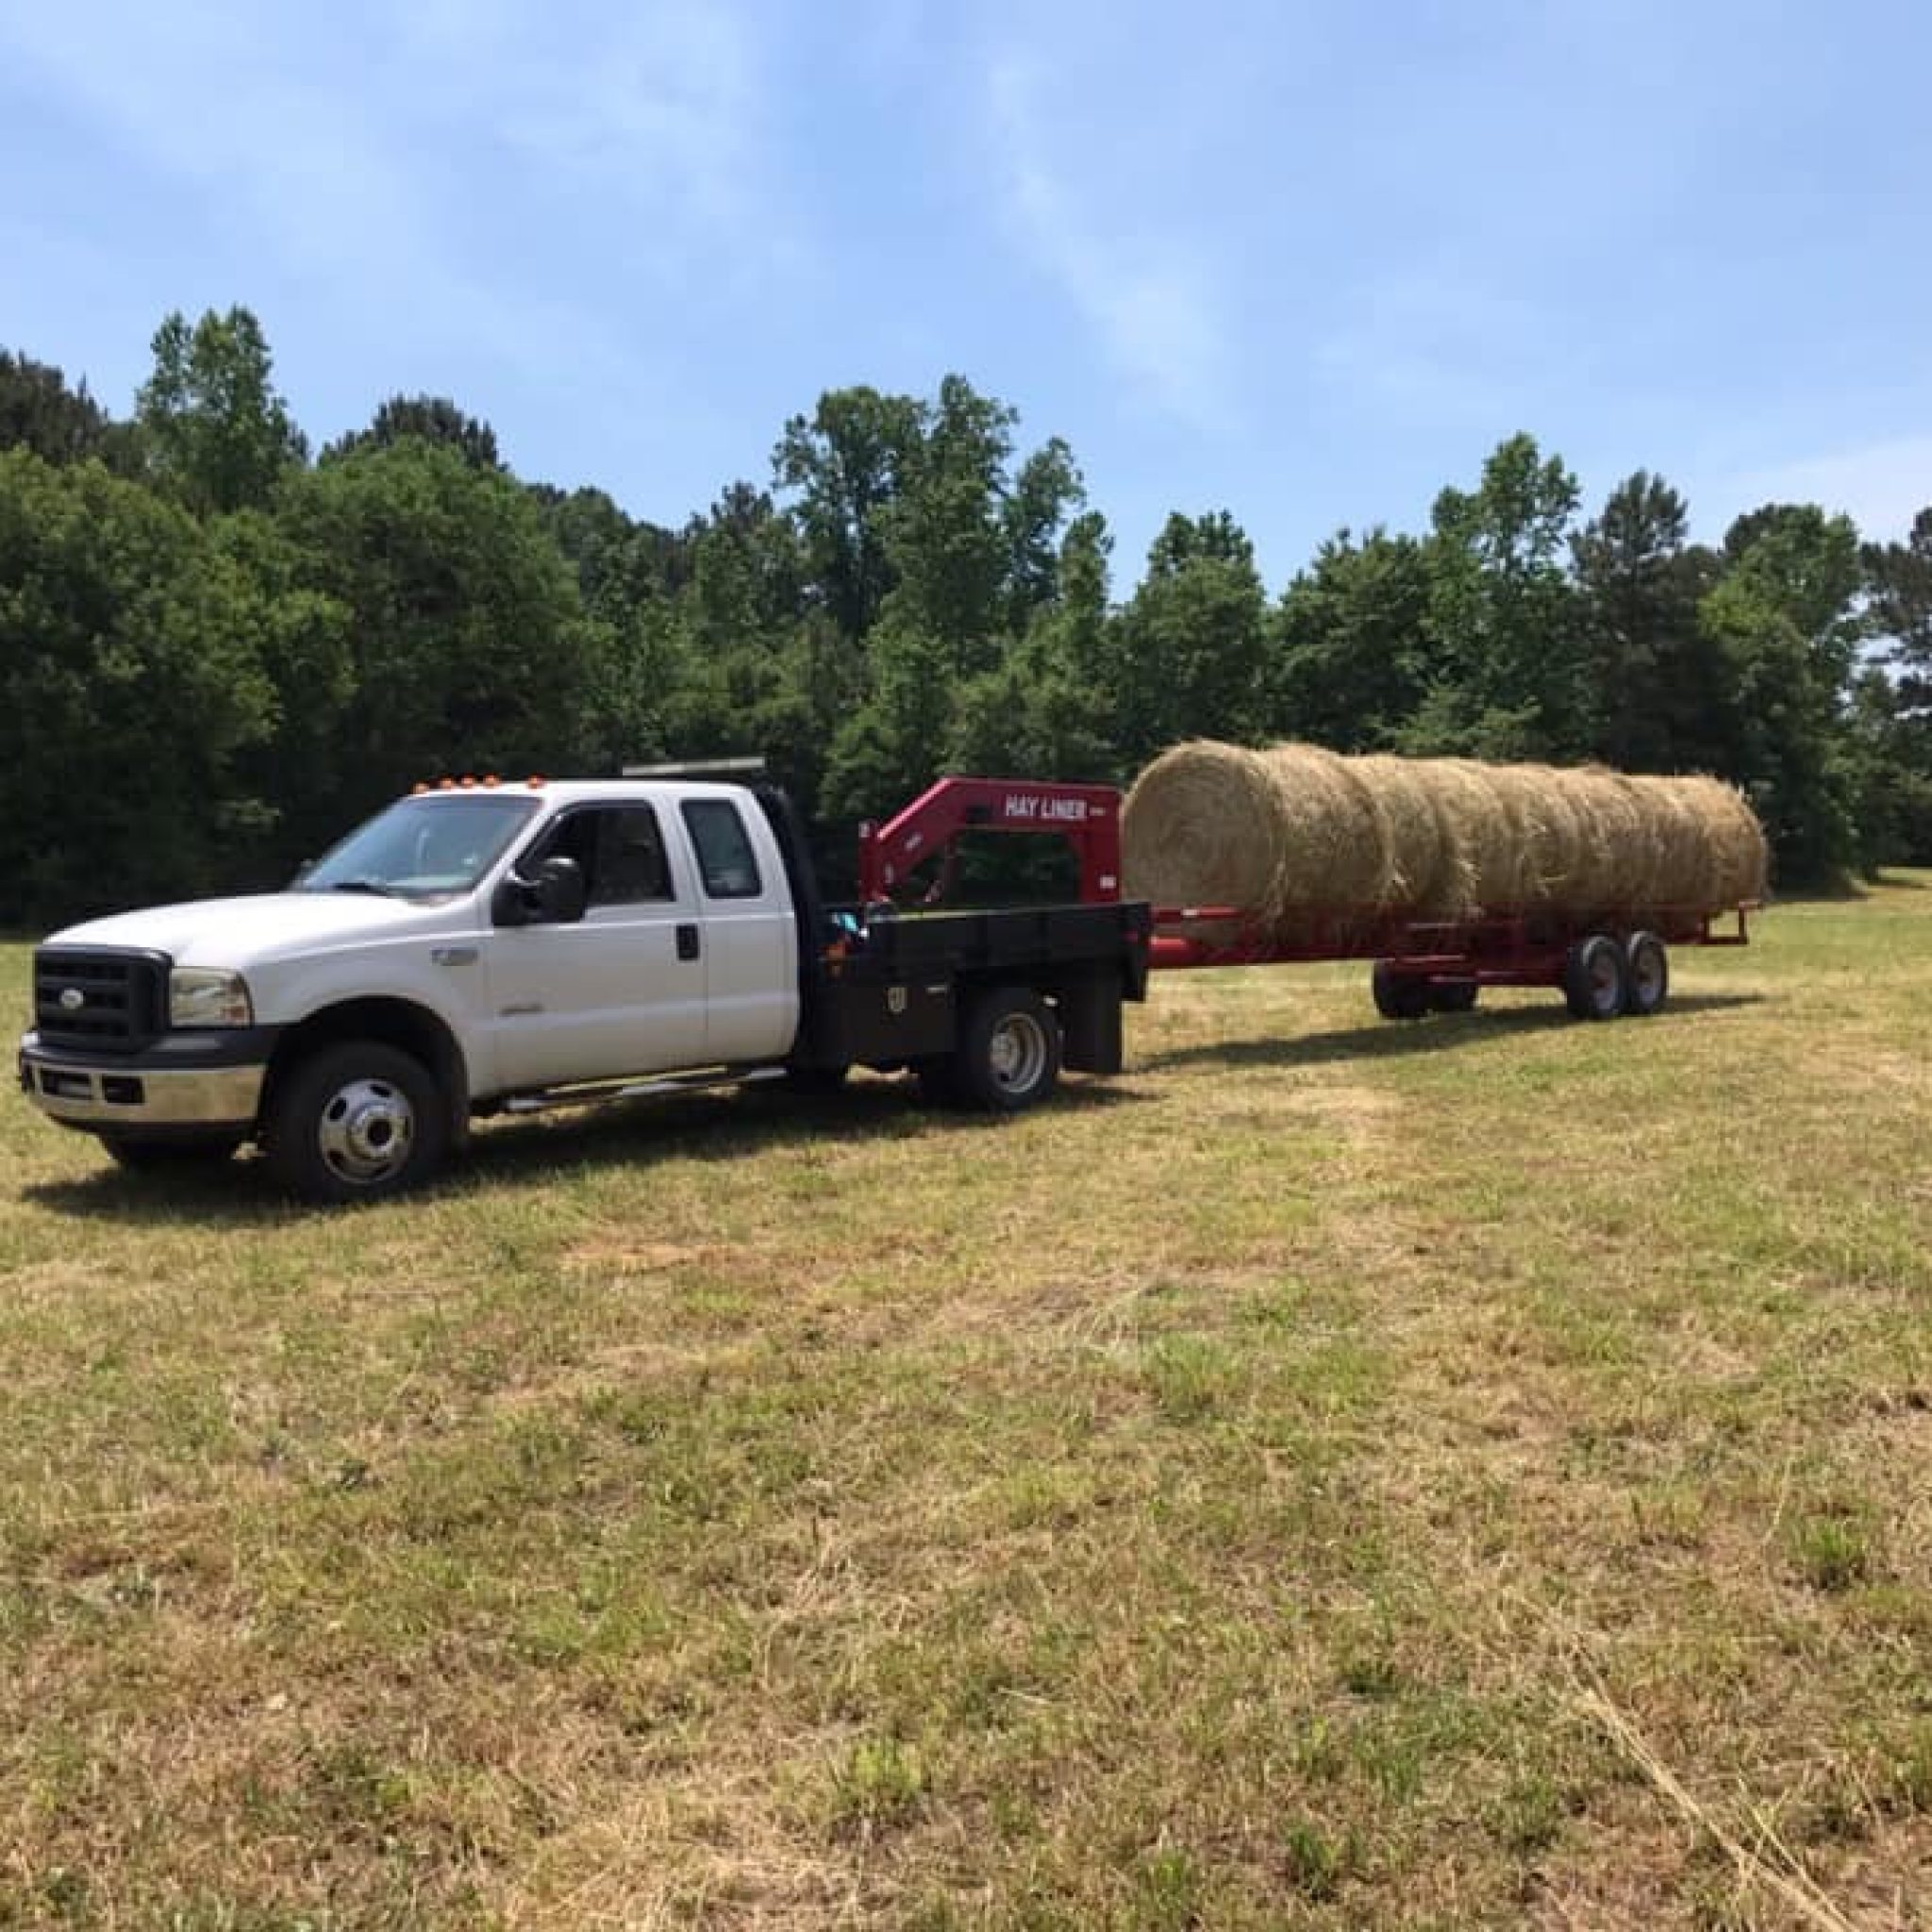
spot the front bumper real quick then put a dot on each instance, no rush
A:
(212, 1079)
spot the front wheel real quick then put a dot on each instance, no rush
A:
(1009, 1057)
(356, 1122)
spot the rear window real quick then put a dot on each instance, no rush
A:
(725, 862)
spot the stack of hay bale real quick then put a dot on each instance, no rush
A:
(1298, 837)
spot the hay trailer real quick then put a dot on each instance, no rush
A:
(1606, 963)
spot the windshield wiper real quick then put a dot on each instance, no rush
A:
(375, 886)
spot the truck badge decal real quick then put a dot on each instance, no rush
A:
(72, 999)
(895, 1000)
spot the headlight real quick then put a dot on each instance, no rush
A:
(203, 997)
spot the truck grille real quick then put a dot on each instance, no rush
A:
(101, 1002)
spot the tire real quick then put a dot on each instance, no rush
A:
(1594, 979)
(1009, 1056)
(140, 1156)
(1454, 996)
(1646, 974)
(1397, 996)
(356, 1122)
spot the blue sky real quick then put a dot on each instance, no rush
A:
(1305, 264)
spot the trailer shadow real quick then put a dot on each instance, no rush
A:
(724, 1125)
(1400, 1039)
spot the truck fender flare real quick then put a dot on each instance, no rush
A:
(406, 1024)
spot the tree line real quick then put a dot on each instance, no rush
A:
(218, 649)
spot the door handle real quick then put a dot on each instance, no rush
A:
(687, 942)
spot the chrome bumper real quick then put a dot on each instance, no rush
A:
(95, 1096)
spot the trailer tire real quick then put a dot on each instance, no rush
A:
(1595, 977)
(358, 1121)
(1397, 996)
(1009, 1056)
(1647, 974)
(1453, 996)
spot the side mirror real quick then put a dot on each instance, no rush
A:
(555, 895)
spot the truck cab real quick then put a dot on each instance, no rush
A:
(509, 940)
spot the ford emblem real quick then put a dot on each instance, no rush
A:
(72, 999)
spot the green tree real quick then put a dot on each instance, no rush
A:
(132, 681)
(844, 463)
(1784, 618)
(1512, 679)
(216, 433)
(1657, 688)
(1900, 579)
(472, 652)
(1352, 646)
(429, 418)
(38, 412)
(1187, 655)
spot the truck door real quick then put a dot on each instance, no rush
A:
(752, 982)
(622, 989)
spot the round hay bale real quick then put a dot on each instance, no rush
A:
(1421, 869)
(1509, 833)
(1202, 825)
(1551, 827)
(1739, 857)
(1680, 872)
(1336, 857)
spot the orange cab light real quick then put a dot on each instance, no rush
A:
(445, 784)
(469, 784)
(534, 782)
(492, 781)
(418, 786)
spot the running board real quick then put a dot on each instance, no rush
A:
(639, 1090)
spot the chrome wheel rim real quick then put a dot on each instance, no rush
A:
(1605, 990)
(1018, 1053)
(366, 1132)
(1647, 976)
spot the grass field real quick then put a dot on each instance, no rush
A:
(1477, 1474)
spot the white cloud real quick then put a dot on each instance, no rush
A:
(1148, 299)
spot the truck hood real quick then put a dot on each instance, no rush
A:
(240, 933)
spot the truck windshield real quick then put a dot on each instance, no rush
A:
(423, 848)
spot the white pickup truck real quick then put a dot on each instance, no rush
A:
(477, 948)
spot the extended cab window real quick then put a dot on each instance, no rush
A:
(726, 860)
(619, 849)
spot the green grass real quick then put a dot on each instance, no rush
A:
(1336, 1474)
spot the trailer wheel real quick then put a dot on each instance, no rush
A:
(1009, 1057)
(1453, 996)
(1398, 995)
(356, 1122)
(1594, 977)
(1647, 974)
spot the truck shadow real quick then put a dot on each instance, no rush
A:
(722, 1126)
(1394, 1038)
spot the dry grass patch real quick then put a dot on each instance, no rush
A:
(1214, 1501)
